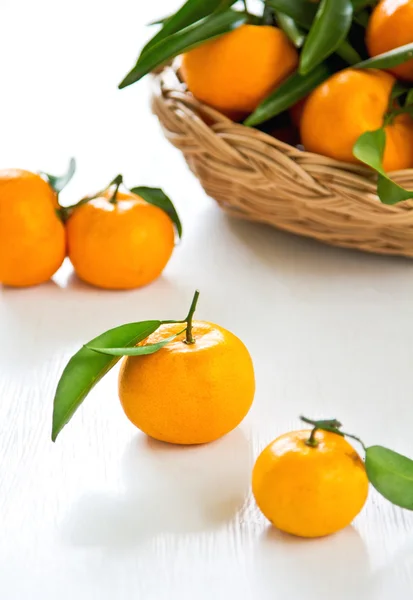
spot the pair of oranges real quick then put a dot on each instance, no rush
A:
(198, 387)
(115, 240)
(195, 393)
(255, 59)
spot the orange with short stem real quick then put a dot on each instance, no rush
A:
(194, 390)
(118, 240)
(310, 483)
(348, 104)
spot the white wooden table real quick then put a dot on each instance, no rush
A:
(106, 513)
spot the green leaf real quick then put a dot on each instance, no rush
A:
(158, 198)
(348, 53)
(391, 474)
(183, 41)
(191, 12)
(301, 11)
(390, 59)
(290, 28)
(330, 27)
(362, 18)
(161, 21)
(369, 149)
(86, 368)
(58, 182)
(390, 192)
(287, 94)
(398, 90)
(409, 98)
(136, 350)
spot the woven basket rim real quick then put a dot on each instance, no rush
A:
(257, 177)
(180, 92)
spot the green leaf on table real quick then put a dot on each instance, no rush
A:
(287, 94)
(369, 149)
(158, 198)
(302, 11)
(86, 368)
(191, 12)
(58, 182)
(290, 28)
(209, 28)
(136, 350)
(389, 59)
(391, 474)
(330, 27)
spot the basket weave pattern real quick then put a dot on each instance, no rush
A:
(256, 177)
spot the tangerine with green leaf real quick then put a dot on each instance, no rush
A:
(310, 485)
(183, 382)
(121, 240)
(188, 392)
(198, 387)
(347, 105)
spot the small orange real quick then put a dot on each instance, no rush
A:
(236, 71)
(310, 491)
(32, 237)
(348, 104)
(188, 393)
(120, 244)
(391, 26)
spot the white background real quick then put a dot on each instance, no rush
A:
(106, 513)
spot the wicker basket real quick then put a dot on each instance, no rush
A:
(256, 177)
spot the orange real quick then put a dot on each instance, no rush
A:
(121, 245)
(348, 104)
(236, 71)
(188, 393)
(310, 491)
(32, 237)
(391, 26)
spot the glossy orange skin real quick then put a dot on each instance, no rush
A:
(119, 246)
(391, 26)
(236, 71)
(189, 393)
(348, 104)
(32, 237)
(310, 492)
